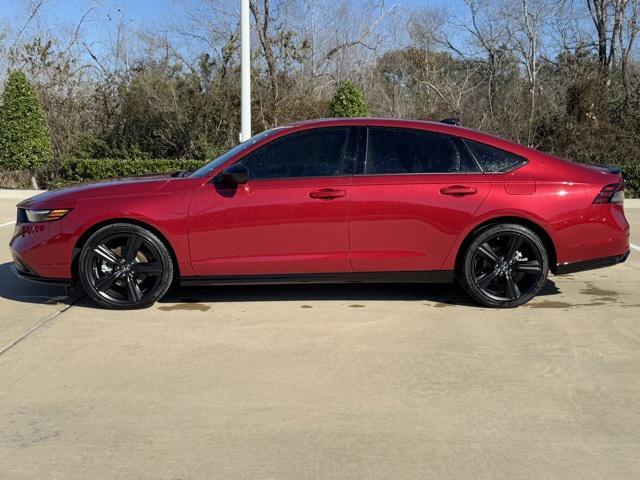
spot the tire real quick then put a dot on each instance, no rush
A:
(504, 266)
(124, 266)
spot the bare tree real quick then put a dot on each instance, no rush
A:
(488, 40)
(629, 28)
(526, 22)
(616, 25)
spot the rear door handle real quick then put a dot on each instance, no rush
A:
(458, 190)
(327, 194)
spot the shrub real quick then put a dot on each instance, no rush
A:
(631, 173)
(348, 101)
(24, 135)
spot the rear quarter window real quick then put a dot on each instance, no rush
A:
(494, 160)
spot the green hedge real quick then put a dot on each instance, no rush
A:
(631, 175)
(85, 170)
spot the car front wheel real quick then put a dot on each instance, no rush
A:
(504, 266)
(125, 266)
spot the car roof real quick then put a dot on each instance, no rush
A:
(364, 121)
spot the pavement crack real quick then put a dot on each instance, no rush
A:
(38, 326)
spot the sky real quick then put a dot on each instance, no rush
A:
(69, 9)
(146, 11)
(139, 11)
(102, 21)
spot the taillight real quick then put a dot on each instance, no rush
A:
(613, 193)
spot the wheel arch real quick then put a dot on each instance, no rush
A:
(82, 239)
(525, 222)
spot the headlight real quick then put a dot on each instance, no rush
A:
(35, 216)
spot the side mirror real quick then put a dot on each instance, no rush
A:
(236, 174)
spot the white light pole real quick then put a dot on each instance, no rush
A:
(245, 72)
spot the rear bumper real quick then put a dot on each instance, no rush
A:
(591, 264)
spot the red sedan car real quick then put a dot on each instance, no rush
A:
(341, 200)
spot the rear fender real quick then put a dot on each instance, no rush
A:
(501, 216)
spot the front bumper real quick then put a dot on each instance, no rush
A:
(591, 264)
(42, 250)
(22, 270)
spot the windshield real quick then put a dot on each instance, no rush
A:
(212, 165)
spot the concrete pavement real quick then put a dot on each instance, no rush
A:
(323, 382)
(23, 305)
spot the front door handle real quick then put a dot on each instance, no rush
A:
(458, 190)
(327, 194)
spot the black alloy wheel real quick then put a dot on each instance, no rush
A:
(125, 266)
(505, 266)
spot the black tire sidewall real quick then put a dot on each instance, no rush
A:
(479, 238)
(124, 228)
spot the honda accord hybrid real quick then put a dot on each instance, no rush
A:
(338, 200)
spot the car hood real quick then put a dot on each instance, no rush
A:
(68, 196)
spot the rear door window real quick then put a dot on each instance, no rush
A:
(405, 151)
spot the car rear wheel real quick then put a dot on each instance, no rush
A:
(124, 266)
(504, 266)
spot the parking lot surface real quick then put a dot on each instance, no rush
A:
(322, 382)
